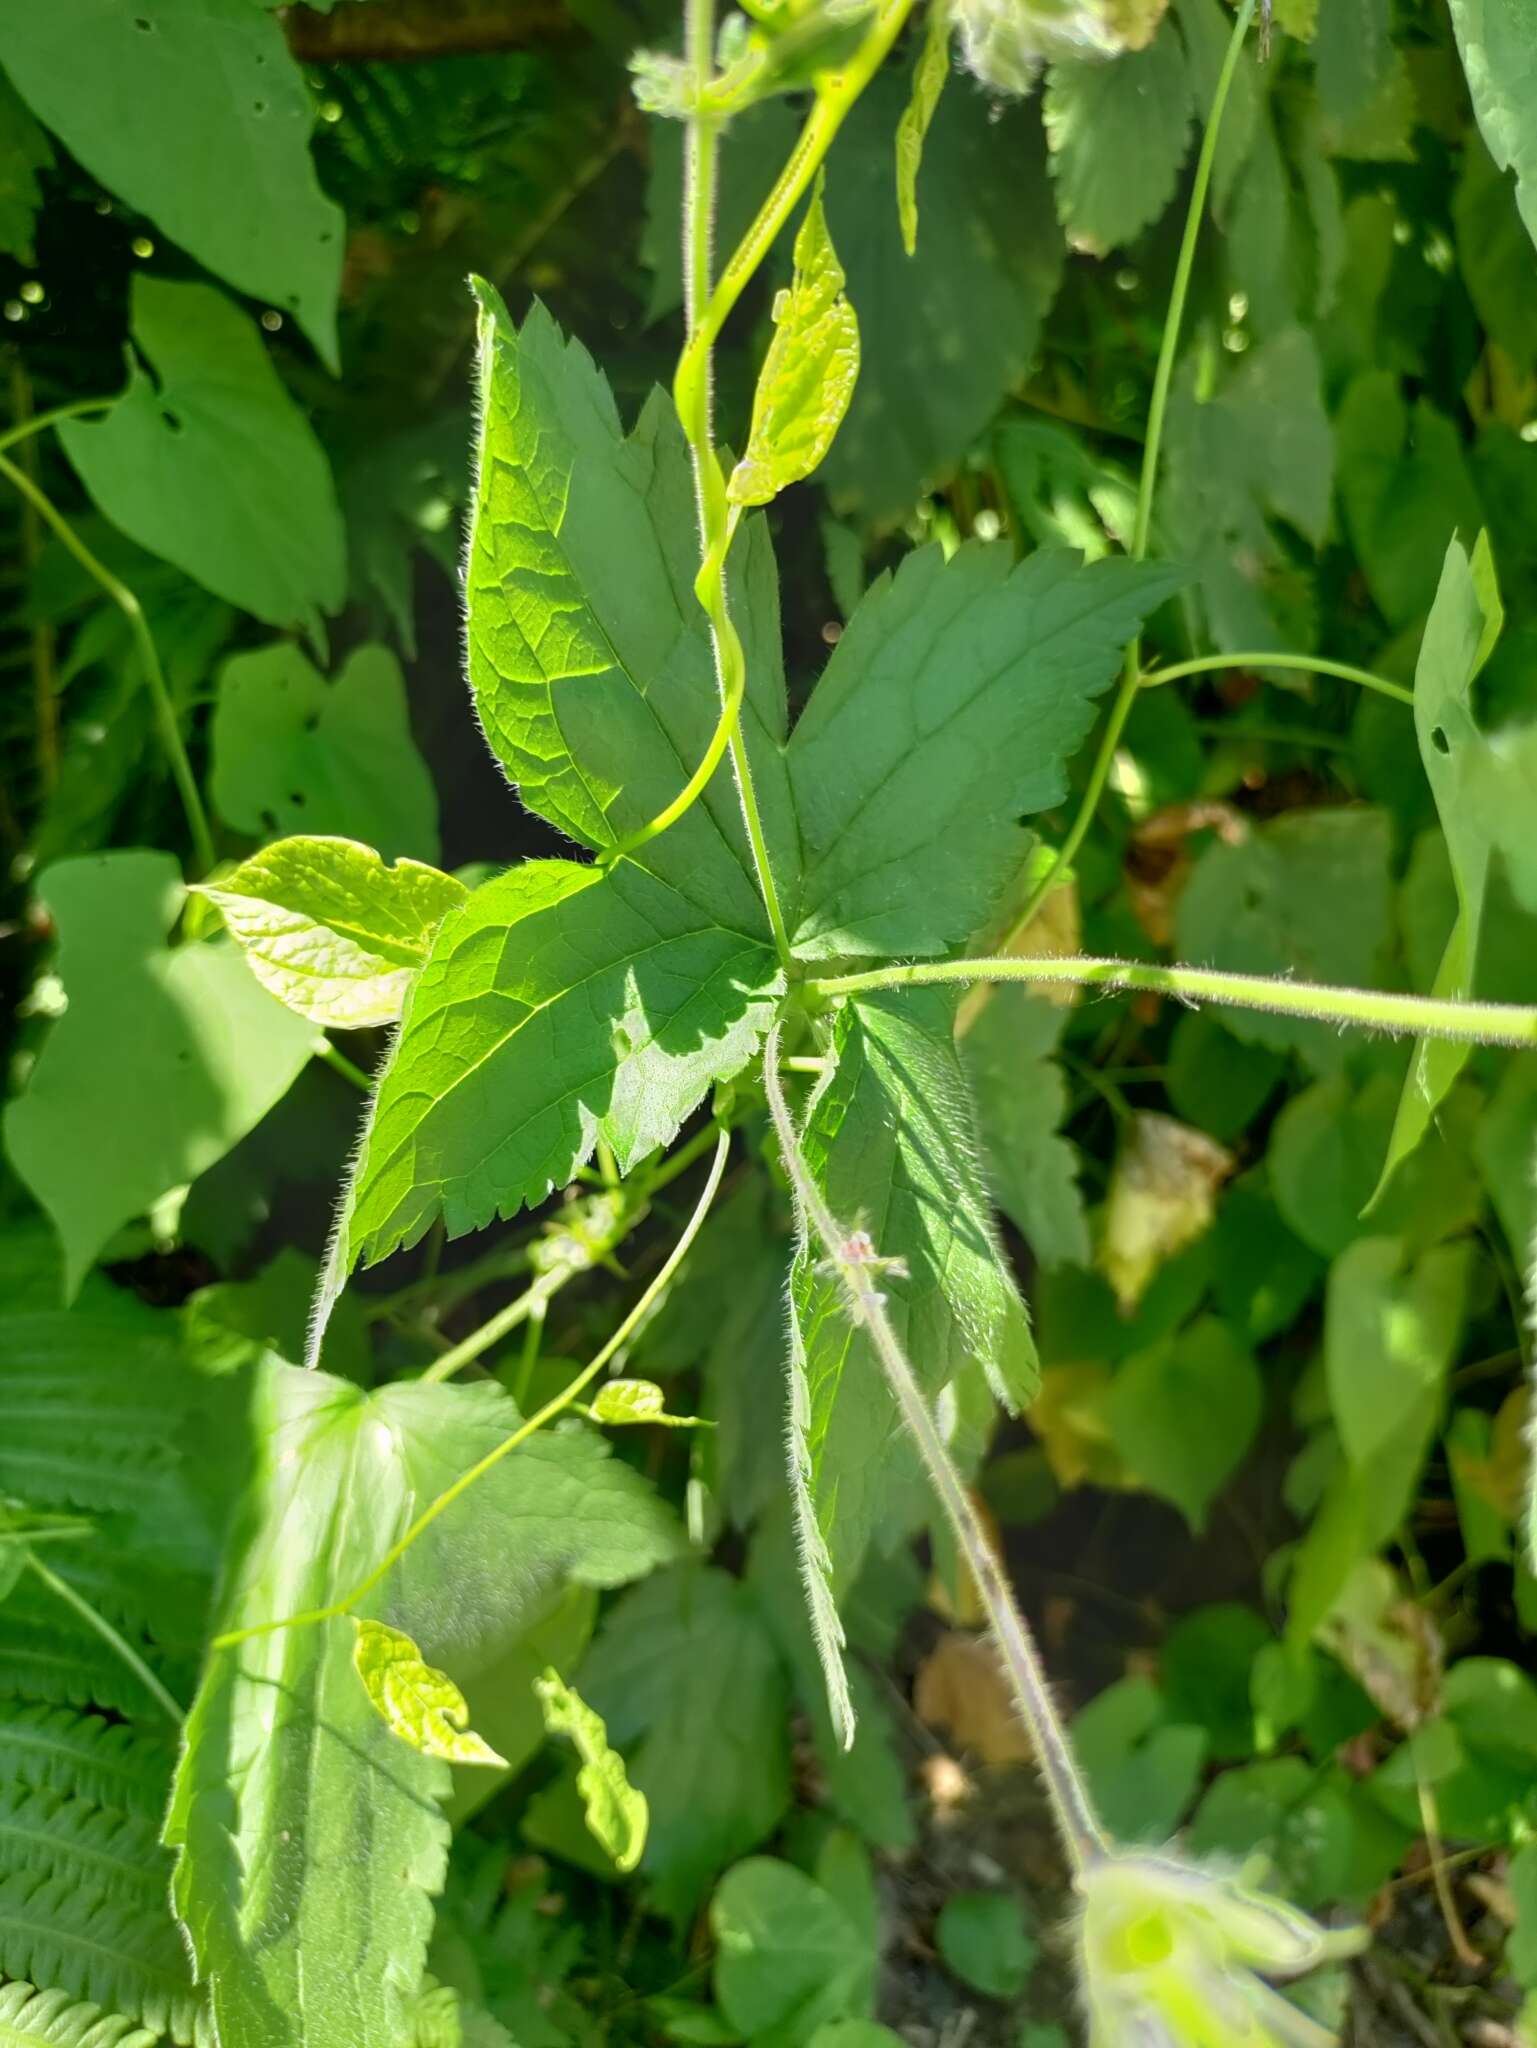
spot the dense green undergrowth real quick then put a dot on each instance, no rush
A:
(967, 1018)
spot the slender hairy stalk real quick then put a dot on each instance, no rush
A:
(1310, 664)
(1426, 1016)
(552, 1408)
(63, 1590)
(1082, 1837)
(154, 675)
(1142, 529)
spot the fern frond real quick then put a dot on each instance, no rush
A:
(130, 1961)
(53, 1749)
(52, 2019)
(47, 1654)
(44, 1834)
(90, 1404)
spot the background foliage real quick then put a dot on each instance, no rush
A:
(1265, 1508)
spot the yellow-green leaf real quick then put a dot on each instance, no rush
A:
(616, 1813)
(929, 75)
(619, 1401)
(419, 1704)
(808, 375)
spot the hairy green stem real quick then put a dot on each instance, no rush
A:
(1309, 664)
(63, 1590)
(1142, 528)
(154, 675)
(551, 1409)
(1082, 1837)
(1376, 1010)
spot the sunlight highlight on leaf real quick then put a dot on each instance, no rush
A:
(421, 1705)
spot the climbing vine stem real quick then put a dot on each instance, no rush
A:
(1371, 1009)
(553, 1408)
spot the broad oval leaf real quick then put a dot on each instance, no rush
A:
(330, 929)
(808, 375)
(199, 117)
(559, 1003)
(159, 463)
(295, 753)
(616, 1813)
(416, 1701)
(1498, 42)
(174, 1052)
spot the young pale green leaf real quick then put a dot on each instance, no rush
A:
(417, 1702)
(616, 1812)
(626, 1401)
(929, 75)
(333, 931)
(1118, 133)
(559, 1004)
(294, 753)
(808, 374)
(162, 1061)
(948, 711)
(286, 1765)
(1268, 903)
(159, 463)
(589, 655)
(683, 1668)
(1498, 42)
(891, 1143)
(199, 117)
(1485, 789)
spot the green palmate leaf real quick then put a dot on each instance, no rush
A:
(589, 655)
(418, 1703)
(1269, 904)
(330, 929)
(788, 1954)
(929, 75)
(174, 1053)
(971, 311)
(616, 1812)
(808, 374)
(890, 1143)
(24, 151)
(52, 2019)
(1258, 449)
(286, 1764)
(159, 464)
(294, 753)
(1484, 790)
(1118, 134)
(683, 1668)
(1406, 491)
(947, 712)
(1021, 1103)
(1498, 41)
(197, 116)
(559, 1004)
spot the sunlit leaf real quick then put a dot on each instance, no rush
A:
(616, 1813)
(625, 1401)
(418, 1703)
(330, 929)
